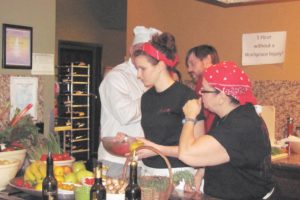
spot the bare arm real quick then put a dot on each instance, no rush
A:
(202, 151)
(171, 151)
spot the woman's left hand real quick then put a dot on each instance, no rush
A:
(145, 153)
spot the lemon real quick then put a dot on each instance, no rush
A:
(59, 178)
(136, 144)
(58, 171)
(38, 186)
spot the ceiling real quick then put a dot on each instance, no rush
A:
(230, 3)
(112, 14)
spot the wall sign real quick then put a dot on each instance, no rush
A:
(23, 90)
(263, 48)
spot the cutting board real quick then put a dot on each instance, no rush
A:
(268, 114)
(279, 156)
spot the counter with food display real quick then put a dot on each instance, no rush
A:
(286, 172)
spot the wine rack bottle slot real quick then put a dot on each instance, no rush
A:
(73, 109)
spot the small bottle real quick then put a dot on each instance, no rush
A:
(98, 191)
(290, 126)
(290, 130)
(49, 191)
(133, 190)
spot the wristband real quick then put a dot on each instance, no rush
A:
(185, 120)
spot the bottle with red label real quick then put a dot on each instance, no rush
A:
(290, 131)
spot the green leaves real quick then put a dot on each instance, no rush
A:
(23, 129)
(39, 144)
(185, 175)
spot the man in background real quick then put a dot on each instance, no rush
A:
(120, 94)
(197, 60)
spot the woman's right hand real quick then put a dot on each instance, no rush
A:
(192, 108)
(121, 137)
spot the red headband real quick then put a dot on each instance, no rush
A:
(153, 52)
(229, 78)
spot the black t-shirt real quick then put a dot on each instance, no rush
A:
(162, 117)
(248, 174)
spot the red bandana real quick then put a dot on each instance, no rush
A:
(229, 78)
(153, 52)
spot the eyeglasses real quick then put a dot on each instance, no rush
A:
(209, 91)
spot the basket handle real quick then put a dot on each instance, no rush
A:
(170, 186)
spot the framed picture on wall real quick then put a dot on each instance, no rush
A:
(17, 46)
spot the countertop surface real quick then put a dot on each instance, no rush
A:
(18, 195)
(290, 162)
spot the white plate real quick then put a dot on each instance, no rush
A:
(115, 196)
(62, 194)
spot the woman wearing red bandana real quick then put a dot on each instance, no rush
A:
(236, 153)
(162, 104)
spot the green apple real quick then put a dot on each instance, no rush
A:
(77, 166)
(83, 174)
(71, 178)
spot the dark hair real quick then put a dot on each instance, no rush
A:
(177, 72)
(233, 100)
(203, 51)
(165, 43)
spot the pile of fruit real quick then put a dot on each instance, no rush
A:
(57, 156)
(66, 176)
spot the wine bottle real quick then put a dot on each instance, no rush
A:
(133, 190)
(78, 125)
(98, 191)
(49, 191)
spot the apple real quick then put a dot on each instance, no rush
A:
(88, 181)
(83, 174)
(71, 178)
(77, 166)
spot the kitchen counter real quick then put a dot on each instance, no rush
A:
(286, 172)
(292, 161)
(18, 195)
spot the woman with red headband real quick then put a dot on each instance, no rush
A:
(236, 153)
(161, 105)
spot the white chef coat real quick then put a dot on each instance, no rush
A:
(120, 94)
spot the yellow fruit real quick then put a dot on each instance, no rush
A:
(28, 176)
(42, 169)
(58, 171)
(60, 179)
(135, 145)
(38, 186)
(67, 170)
(34, 169)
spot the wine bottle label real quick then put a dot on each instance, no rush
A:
(50, 195)
(94, 196)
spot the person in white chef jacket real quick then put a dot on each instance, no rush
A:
(120, 94)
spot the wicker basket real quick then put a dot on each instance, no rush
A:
(149, 193)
